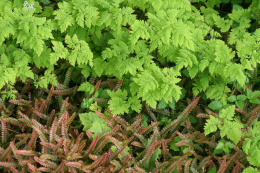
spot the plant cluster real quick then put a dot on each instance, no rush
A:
(130, 86)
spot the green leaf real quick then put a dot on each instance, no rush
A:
(162, 104)
(93, 122)
(213, 170)
(117, 103)
(232, 130)
(172, 104)
(211, 125)
(251, 170)
(232, 98)
(192, 119)
(215, 105)
(144, 120)
(87, 103)
(86, 71)
(240, 104)
(173, 145)
(241, 97)
(104, 94)
(227, 113)
(135, 103)
(254, 101)
(86, 87)
(98, 128)
(254, 95)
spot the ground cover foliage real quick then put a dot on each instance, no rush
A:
(130, 86)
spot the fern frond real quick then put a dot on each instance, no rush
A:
(26, 152)
(202, 115)
(60, 168)
(67, 77)
(5, 153)
(150, 112)
(53, 129)
(123, 123)
(174, 125)
(32, 168)
(151, 127)
(223, 166)
(44, 169)
(65, 91)
(116, 163)
(75, 164)
(179, 167)
(14, 149)
(96, 87)
(100, 114)
(101, 145)
(3, 130)
(22, 142)
(148, 153)
(137, 144)
(48, 124)
(20, 102)
(155, 136)
(95, 163)
(173, 165)
(187, 166)
(58, 145)
(195, 154)
(32, 142)
(118, 85)
(212, 113)
(250, 119)
(8, 164)
(91, 147)
(137, 122)
(141, 137)
(39, 125)
(63, 107)
(41, 115)
(50, 93)
(46, 163)
(118, 151)
(76, 145)
(40, 133)
(139, 170)
(64, 129)
(63, 116)
(27, 120)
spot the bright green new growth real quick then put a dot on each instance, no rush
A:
(251, 145)
(228, 125)
(92, 121)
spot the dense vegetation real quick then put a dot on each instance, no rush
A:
(130, 86)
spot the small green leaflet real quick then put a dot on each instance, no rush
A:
(211, 125)
(227, 113)
(232, 129)
(92, 121)
(215, 105)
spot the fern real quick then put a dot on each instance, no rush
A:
(251, 145)
(228, 125)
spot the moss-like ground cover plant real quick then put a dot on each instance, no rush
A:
(130, 86)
